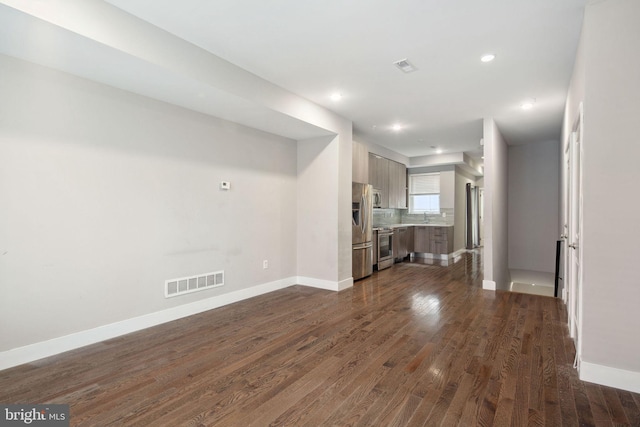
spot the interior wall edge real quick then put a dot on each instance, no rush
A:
(489, 285)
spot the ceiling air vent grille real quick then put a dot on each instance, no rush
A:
(187, 285)
(405, 66)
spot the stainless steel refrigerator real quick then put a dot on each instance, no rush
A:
(362, 216)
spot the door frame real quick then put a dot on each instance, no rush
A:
(574, 240)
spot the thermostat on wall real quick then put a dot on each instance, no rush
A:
(225, 185)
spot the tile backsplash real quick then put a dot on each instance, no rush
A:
(387, 216)
(400, 216)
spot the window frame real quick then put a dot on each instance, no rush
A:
(412, 194)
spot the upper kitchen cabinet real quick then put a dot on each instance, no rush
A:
(391, 179)
(397, 185)
(360, 163)
(379, 177)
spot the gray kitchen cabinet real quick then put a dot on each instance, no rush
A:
(402, 186)
(433, 239)
(360, 163)
(379, 177)
(401, 242)
(421, 241)
(441, 240)
(397, 185)
(391, 179)
(393, 190)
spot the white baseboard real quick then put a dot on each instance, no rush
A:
(489, 285)
(31, 352)
(458, 253)
(444, 257)
(345, 284)
(610, 377)
(427, 255)
(325, 284)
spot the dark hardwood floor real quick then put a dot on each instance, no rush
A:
(413, 345)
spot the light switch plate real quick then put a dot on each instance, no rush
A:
(225, 185)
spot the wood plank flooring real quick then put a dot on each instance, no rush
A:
(413, 345)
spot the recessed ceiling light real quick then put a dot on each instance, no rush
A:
(528, 104)
(336, 96)
(439, 151)
(397, 127)
(488, 57)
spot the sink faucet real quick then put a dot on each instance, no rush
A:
(426, 218)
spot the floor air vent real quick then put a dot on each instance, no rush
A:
(187, 285)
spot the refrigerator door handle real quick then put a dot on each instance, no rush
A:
(363, 246)
(363, 215)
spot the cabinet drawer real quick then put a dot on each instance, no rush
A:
(441, 234)
(438, 231)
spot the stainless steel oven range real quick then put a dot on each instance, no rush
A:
(385, 248)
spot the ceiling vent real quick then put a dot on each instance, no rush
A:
(405, 66)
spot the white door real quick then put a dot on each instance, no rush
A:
(480, 214)
(566, 209)
(573, 246)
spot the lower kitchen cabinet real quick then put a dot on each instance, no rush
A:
(410, 240)
(433, 239)
(401, 242)
(421, 239)
(441, 240)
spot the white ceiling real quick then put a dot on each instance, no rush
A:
(314, 48)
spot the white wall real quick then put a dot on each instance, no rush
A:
(496, 232)
(533, 205)
(178, 71)
(447, 189)
(180, 152)
(316, 209)
(106, 194)
(382, 151)
(606, 79)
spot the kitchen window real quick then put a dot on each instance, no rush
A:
(424, 193)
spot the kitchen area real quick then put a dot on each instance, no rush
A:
(385, 243)
(391, 223)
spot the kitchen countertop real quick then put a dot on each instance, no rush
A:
(429, 224)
